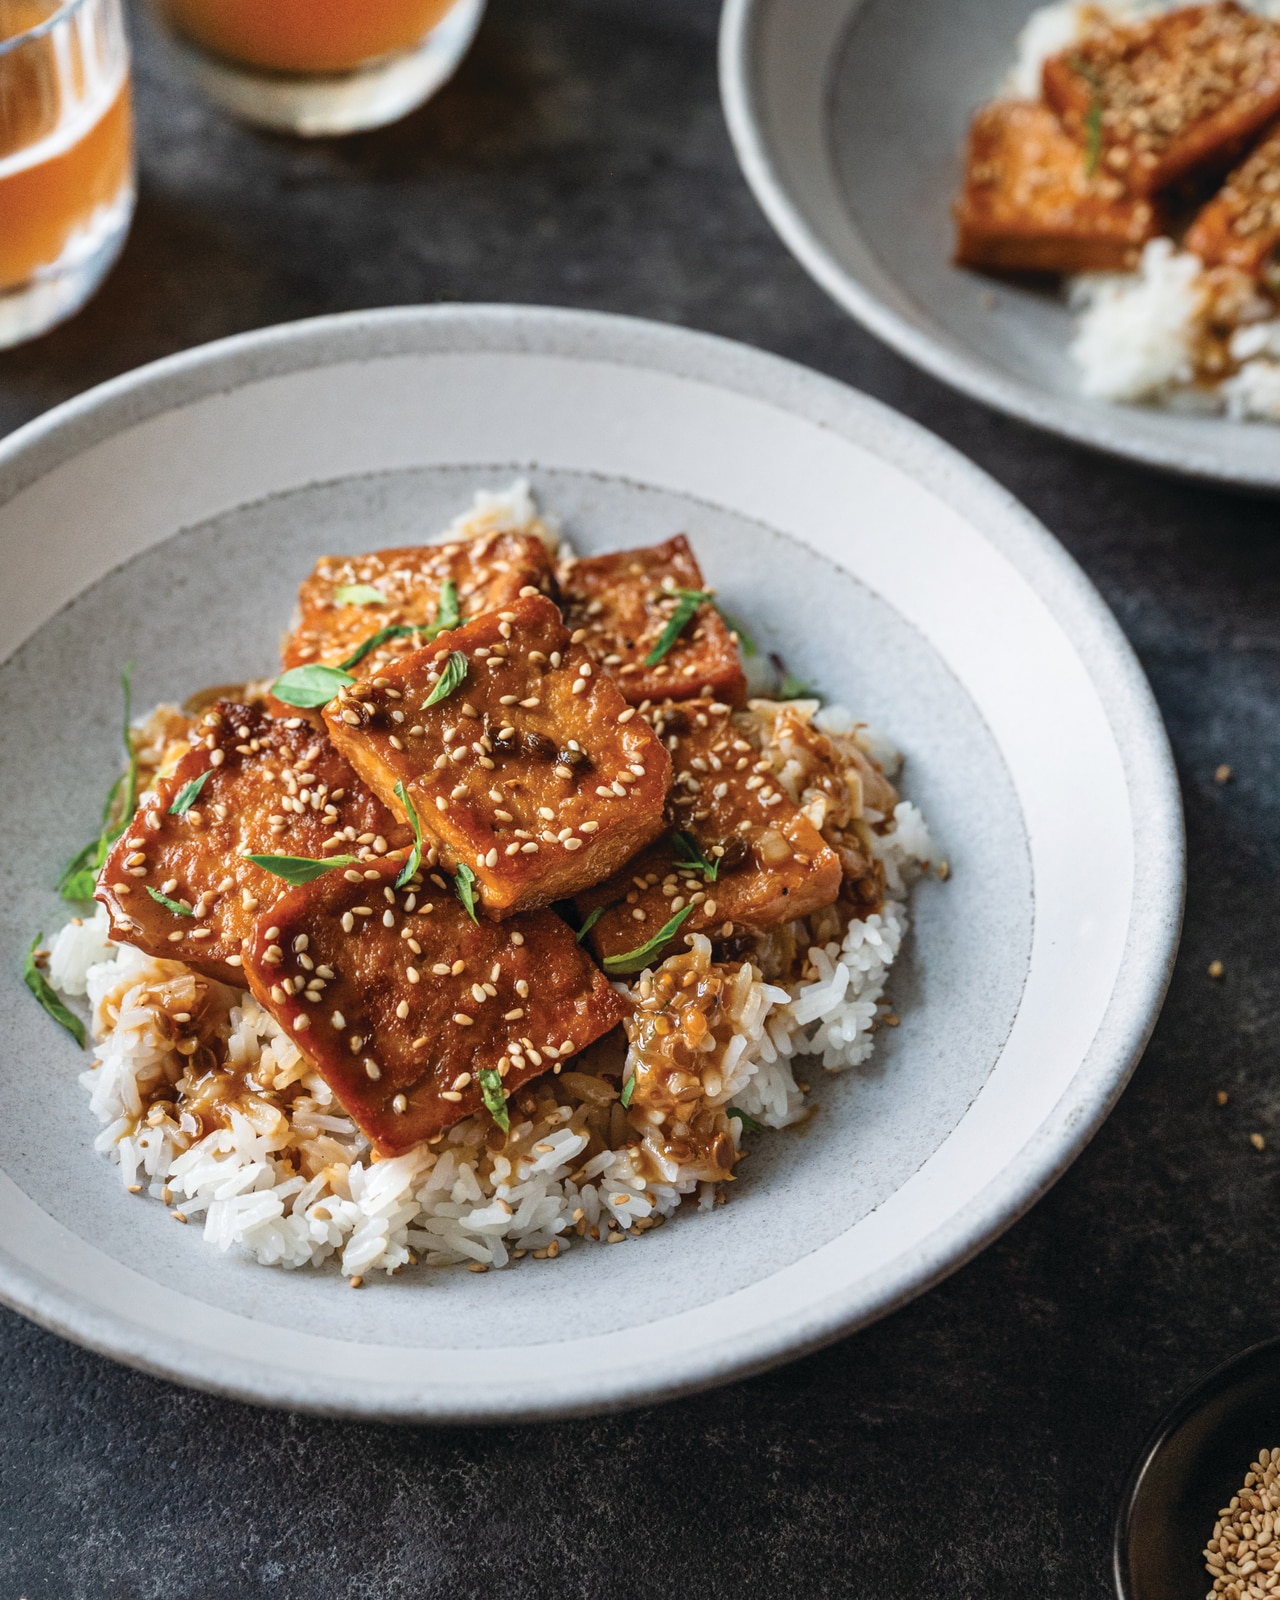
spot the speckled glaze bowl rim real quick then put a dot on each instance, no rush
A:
(740, 25)
(1181, 1411)
(1123, 694)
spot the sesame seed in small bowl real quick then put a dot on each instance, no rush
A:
(1200, 1515)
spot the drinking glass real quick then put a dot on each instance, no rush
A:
(66, 157)
(318, 67)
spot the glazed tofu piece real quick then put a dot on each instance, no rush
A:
(268, 786)
(1177, 95)
(1240, 226)
(338, 611)
(531, 770)
(1030, 203)
(770, 862)
(401, 1000)
(619, 607)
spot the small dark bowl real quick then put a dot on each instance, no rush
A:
(1192, 1465)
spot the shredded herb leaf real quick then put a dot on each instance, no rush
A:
(1093, 116)
(394, 630)
(169, 905)
(43, 990)
(789, 687)
(415, 855)
(628, 1090)
(453, 677)
(358, 594)
(447, 614)
(297, 870)
(689, 854)
(464, 881)
(80, 875)
(689, 601)
(749, 1124)
(494, 1096)
(746, 643)
(592, 918)
(637, 960)
(308, 687)
(188, 794)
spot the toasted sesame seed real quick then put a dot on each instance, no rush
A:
(301, 1024)
(463, 1020)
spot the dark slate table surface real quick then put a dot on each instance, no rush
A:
(973, 1444)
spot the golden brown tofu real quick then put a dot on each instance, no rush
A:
(1030, 203)
(268, 786)
(401, 1000)
(619, 607)
(1240, 226)
(338, 611)
(532, 771)
(1173, 96)
(770, 863)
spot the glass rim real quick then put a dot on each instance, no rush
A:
(64, 10)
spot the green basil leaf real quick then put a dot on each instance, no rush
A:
(358, 594)
(689, 854)
(689, 601)
(637, 960)
(453, 677)
(628, 1090)
(592, 918)
(44, 992)
(494, 1096)
(415, 855)
(169, 905)
(750, 1125)
(188, 794)
(308, 687)
(297, 870)
(464, 881)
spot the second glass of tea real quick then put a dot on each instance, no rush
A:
(66, 157)
(321, 67)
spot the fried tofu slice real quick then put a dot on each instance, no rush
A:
(619, 607)
(1030, 203)
(401, 1000)
(533, 772)
(1240, 226)
(1170, 97)
(338, 611)
(770, 862)
(268, 786)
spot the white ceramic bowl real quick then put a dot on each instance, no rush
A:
(168, 517)
(849, 119)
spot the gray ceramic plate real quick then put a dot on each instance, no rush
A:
(849, 119)
(168, 517)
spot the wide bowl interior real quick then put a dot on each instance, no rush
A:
(850, 117)
(168, 521)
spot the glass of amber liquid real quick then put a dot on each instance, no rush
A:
(66, 157)
(321, 67)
